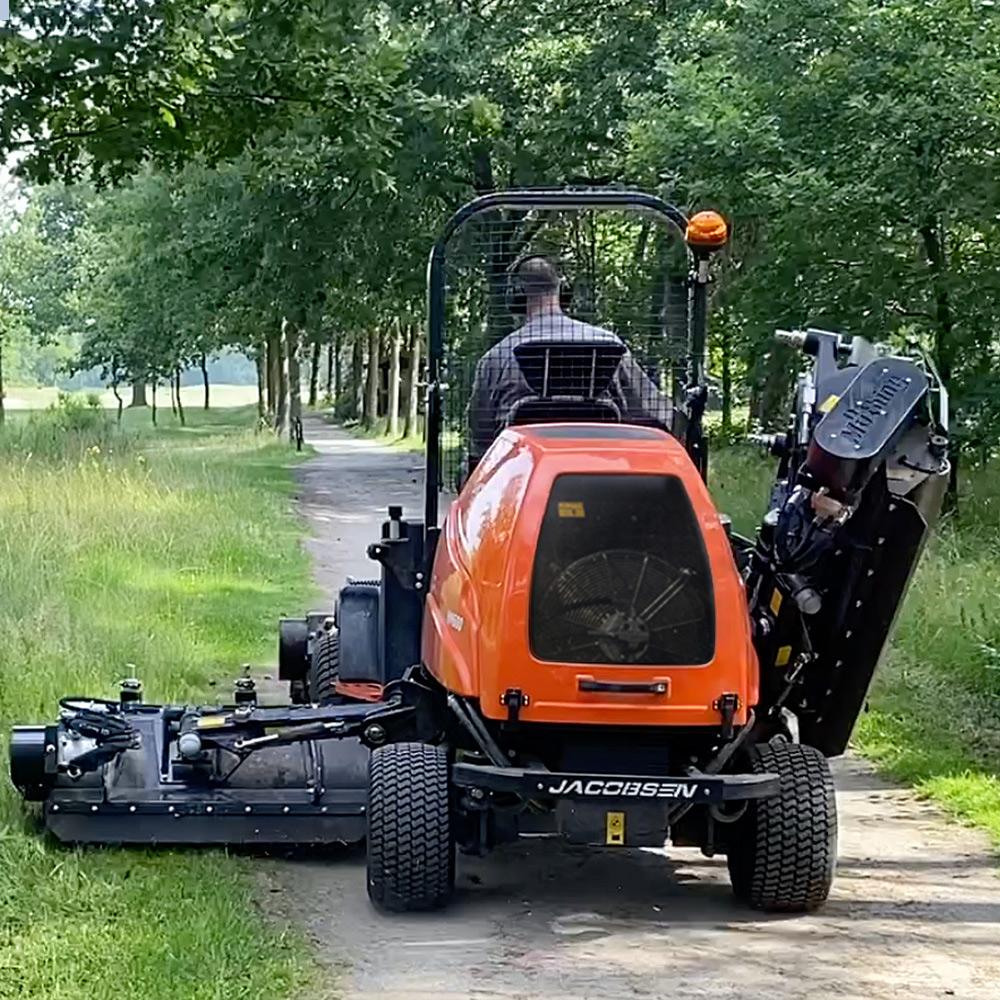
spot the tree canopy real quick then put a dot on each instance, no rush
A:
(268, 174)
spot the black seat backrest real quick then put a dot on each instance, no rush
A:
(553, 409)
(569, 370)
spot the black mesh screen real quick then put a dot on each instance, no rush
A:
(576, 314)
(621, 574)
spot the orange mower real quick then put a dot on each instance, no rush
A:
(572, 641)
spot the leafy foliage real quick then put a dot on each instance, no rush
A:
(284, 165)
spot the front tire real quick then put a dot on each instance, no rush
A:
(411, 845)
(784, 851)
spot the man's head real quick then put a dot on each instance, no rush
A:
(534, 286)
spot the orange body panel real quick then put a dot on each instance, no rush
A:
(476, 625)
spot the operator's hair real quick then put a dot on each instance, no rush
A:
(538, 276)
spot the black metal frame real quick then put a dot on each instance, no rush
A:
(555, 199)
(695, 789)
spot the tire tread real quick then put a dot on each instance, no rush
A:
(786, 859)
(411, 850)
(324, 668)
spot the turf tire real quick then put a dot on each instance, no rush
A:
(324, 668)
(785, 850)
(411, 847)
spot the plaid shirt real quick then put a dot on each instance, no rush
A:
(499, 384)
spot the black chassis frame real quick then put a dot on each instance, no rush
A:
(149, 793)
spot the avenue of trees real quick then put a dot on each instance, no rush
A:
(268, 175)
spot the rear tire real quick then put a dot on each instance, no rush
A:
(785, 849)
(411, 846)
(324, 668)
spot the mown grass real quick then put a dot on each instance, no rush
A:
(933, 719)
(174, 551)
(223, 394)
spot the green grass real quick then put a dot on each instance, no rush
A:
(18, 397)
(175, 551)
(740, 479)
(379, 432)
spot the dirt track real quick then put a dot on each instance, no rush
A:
(915, 910)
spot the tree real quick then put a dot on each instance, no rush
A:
(298, 161)
(20, 252)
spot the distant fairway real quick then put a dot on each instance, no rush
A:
(192, 396)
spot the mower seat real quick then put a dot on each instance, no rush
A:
(569, 381)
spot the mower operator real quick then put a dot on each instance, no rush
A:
(499, 384)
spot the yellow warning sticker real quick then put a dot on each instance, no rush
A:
(616, 829)
(829, 403)
(212, 721)
(571, 508)
(776, 600)
(784, 655)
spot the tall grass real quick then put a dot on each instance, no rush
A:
(935, 707)
(64, 432)
(176, 553)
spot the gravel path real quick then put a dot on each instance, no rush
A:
(915, 911)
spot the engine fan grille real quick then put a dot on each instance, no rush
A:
(621, 574)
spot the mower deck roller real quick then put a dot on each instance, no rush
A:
(582, 648)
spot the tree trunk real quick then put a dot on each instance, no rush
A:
(273, 369)
(413, 385)
(727, 379)
(261, 384)
(371, 391)
(944, 325)
(204, 379)
(153, 411)
(774, 381)
(281, 415)
(314, 373)
(357, 378)
(293, 345)
(330, 393)
(675, 315)
(173, 395)
(138, 395)
(338, 373)
(118, 400)
(180, 405)
(392, 404)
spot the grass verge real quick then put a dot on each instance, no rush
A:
(174, 550)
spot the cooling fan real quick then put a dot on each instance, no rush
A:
(622, 606)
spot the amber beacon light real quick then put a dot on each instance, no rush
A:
(706, 231)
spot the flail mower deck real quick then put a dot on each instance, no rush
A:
(583, 647)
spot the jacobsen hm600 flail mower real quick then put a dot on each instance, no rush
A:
(582, 647)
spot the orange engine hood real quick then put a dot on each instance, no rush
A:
(477, 637)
